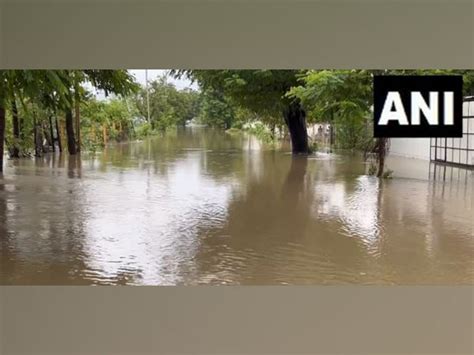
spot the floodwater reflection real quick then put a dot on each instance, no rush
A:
(199, 206)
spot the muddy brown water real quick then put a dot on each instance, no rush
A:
(200, 206)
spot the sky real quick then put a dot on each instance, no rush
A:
(154, 73)
(140, 76)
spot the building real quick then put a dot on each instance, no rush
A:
(459, 151)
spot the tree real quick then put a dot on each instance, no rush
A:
(344, 98)
(339, 97)
(186, 104)
(168, 106)
(261, 91)
(2, 135)
(118, 82)
(53, 90)
(16, 128)
(216, 111)
(106, 119)
(33, 85)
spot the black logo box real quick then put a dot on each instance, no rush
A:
(405, 85)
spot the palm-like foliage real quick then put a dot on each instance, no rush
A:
(56, 90)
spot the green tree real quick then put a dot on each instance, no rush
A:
(216, 110)
(260, 91)
(185, 105)
(46, 86)
(107, 119)
(341, 98)
(344, 98)
(117, 82)
(168, 106)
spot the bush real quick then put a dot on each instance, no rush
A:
(143, 130)
(387, 174)
(372, 169)
(261, 132)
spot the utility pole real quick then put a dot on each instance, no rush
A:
(147, 96)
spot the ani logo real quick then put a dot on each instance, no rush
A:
(418, 106)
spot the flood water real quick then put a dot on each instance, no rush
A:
(201, 206)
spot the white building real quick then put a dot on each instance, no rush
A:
(455, 150)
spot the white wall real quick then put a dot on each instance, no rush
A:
(410, 147)
(420, 147)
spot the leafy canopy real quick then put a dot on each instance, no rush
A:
(261, 91)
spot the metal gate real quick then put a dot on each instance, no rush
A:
(457, 151)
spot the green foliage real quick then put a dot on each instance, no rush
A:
(262, 132)
(352, 132)
(314, 146)
(143, 130)
(330, 93)
(115, 117)
(260, 91)
(340, 97)
(344, 97)
(168, 106)
(229, 99)
(216, 109)
(388, 174)
(118, 82)
(44, 94)
(372, 169)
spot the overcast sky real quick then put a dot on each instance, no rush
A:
(140, 76)
(154, 73)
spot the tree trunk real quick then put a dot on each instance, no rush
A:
(16, 130)
(51, 133)
(71, 141)
(37, 131)
(77, 101)
(2, 136)
(381, 166)
(381, 152)
(295, 119)
(58, 136)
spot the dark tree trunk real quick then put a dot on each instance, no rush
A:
(295, 119)
(2, 136)
(381, 152)
(71, 141)
(58, 136)
(77, 119)
(381, 166)
(51, 133)
(16, 130)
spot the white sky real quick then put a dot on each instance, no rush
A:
(154, 73)
(140, 76)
